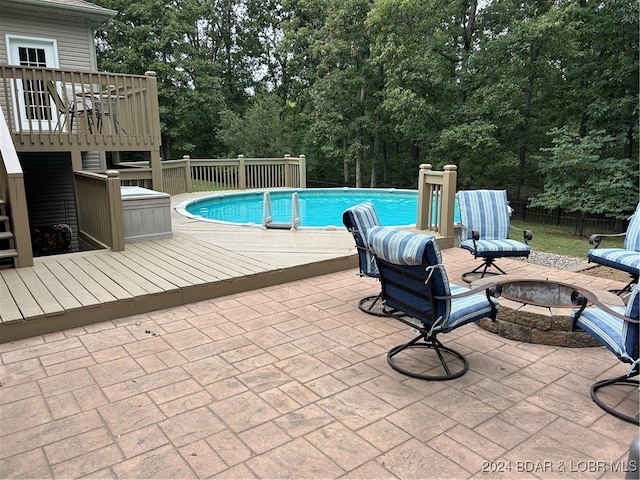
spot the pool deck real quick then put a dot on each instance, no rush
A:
(202, 260)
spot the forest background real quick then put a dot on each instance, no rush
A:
(537, 97)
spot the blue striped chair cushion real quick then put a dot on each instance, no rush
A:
(619, 258)
(614, 333)
(632, 239)
(633, 303)
(485, 211)
(400, 247)
(411, 251)
(502, 248)
(362, 217)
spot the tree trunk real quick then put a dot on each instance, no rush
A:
(629, 143)
(579, 223)
(415, 154)
(345, 163)
(385, 164)
(374, 162)
(359, 158)
(524, 129)
(373, 175)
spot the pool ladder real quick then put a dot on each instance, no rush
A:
(267, 215)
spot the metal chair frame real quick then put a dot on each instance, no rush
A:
(583, 298)
(420, 296)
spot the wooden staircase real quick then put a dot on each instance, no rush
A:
(7, 246)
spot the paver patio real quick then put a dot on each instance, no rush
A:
(291, 381)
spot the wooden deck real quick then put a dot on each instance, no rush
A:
(202, 260)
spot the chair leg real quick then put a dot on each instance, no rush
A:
(621, 380)
(371, 305)
(440, 350)
(488, 263)
(627, 289)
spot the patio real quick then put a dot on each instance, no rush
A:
(291, 381)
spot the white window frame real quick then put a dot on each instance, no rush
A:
(50, 47)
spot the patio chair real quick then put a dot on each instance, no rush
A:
(416, 291)
(72, 104)
(358, 219)
(484, 218)
(626, 258)
(617, 329)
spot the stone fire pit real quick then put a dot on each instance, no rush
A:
(537, 310)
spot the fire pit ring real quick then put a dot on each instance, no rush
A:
(538, 310)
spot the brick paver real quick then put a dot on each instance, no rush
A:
(292, 381)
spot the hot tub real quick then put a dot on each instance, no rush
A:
(146, 214)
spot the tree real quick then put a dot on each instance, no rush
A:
(343, 104)
(200, 51)
(262, 131)
(428, 51)
(369, 85)
(583, 175)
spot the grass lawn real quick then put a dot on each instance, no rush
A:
(205, 186)
(561, 239)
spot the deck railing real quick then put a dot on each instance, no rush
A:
(99, 210)
(64, 110)
(199, 175)
(436, 202)
(13, 193)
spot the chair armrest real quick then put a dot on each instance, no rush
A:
(493, 289)
(596, 238)
(527, 235)
(473, 232)
(581, 298)
(475, 235)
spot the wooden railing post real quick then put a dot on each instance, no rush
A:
(187, 174)
(287, 170)
(425, 199)
(115, 210)
(449, 181)
(20, 222)
(303, 171)
(14, 194)
(436, 200)
(242, 174)
(154, 119)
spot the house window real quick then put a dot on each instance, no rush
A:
(36, 97)
(32, 102)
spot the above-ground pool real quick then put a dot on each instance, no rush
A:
(319, 207)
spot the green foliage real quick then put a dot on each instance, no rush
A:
(369, 90)
(583, 175)
(263, 131)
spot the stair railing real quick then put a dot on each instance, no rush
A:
(13, 193)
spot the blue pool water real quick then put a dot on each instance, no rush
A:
(319, 207)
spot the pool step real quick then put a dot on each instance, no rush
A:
(267, 215)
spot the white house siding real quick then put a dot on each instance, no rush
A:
(74, 36)
(49, 177)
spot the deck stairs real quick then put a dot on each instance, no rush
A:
(7, 245)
